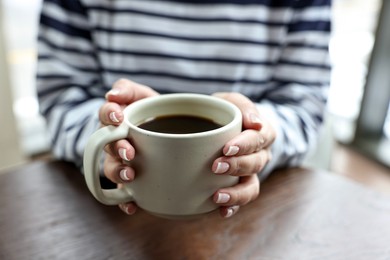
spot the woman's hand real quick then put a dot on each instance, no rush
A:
(244, 156)
(123, 93)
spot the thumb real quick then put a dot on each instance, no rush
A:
(126, 92)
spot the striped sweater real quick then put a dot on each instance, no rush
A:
(273, 51)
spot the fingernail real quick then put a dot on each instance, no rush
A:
(229, 213)
(223, 198)
(123, 175)
(222, 167)
(123, 154)
(113, 92)
(130, 210)
(113, 117)
(233, 150)
(127, 209)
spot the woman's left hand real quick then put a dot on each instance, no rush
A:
(244, 156)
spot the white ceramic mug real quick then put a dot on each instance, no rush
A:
(173, 171)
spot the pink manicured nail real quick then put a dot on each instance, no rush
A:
(223, 198)
(130, 211)
(123, 154)
(123, 175)
(222, 167)
(229, 213)
(113, 92)
(233, 150)
(113, 117)
(127, 209)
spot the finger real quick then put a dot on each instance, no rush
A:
(250, 114)
(128, 208)
(227, 212)
(125, 91)
(242, 165)
(121, 149)
(247, 142)
(245, 191)
(117, 172)
(111, 114)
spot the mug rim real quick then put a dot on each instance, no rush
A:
(236, 113)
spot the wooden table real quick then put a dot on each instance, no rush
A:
(46, 212)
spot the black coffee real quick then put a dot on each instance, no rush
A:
(179, 124)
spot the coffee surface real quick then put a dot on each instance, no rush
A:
(179, 124)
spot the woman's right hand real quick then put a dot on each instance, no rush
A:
(123, 93)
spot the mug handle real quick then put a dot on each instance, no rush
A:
(92, 157)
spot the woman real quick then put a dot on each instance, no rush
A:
(268, 57)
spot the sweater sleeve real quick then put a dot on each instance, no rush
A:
(69, 86)
(296, 103)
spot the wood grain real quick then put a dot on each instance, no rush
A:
(46, 212)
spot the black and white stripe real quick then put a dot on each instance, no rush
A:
(273, 51)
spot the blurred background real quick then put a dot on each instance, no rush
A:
(355, 138)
